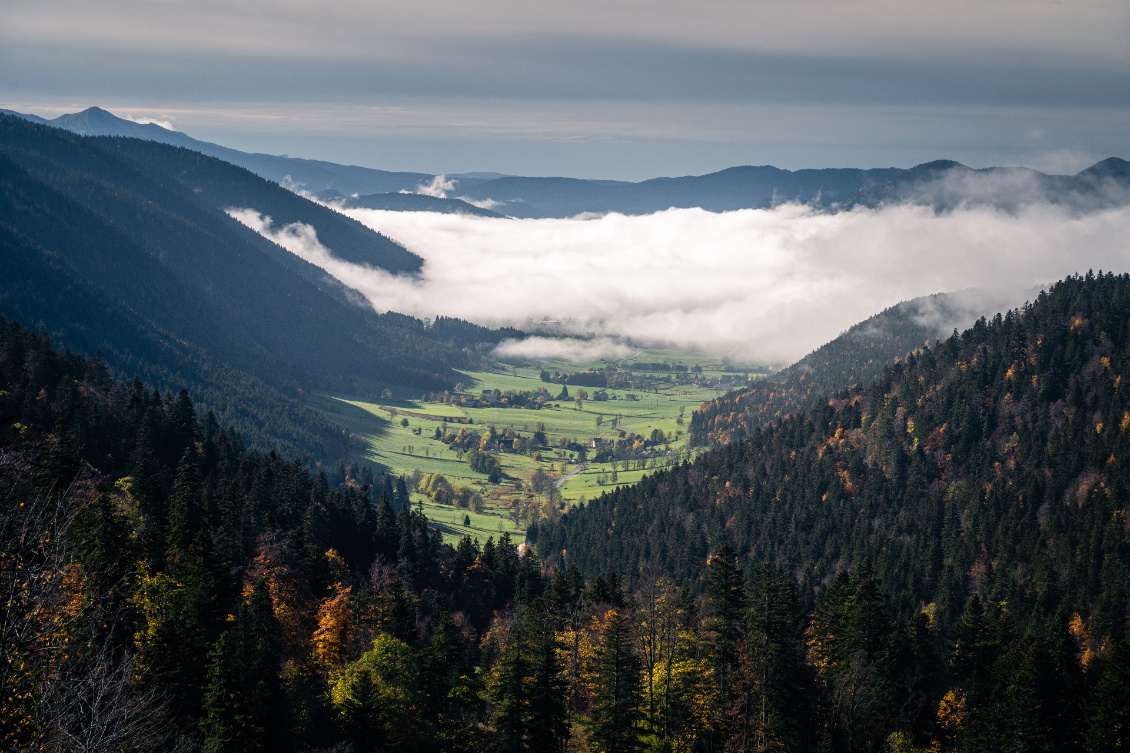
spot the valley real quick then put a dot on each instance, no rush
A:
(552, 454)
(249, 503)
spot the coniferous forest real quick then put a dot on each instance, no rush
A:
(935, 561)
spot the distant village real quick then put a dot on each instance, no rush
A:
(631, 385)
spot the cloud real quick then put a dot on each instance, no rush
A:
(767, 285)
(300, 239)
(439, 187)
(481, 203)
(1012, 189)
(146, 121)
(568, 349)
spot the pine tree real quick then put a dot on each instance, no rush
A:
(387, 540)
(727, 608)
(509, 695)
(776, 642)
(145, 488)
(548, 722)
(180, 433)
(616, 712)
(186, 513)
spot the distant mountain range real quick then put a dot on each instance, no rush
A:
(940, 184)
(404, 202)
(943, 185)
(313, 175)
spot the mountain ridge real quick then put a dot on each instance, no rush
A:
(942, 184)
(188, 296)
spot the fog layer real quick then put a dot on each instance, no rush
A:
(766, 285)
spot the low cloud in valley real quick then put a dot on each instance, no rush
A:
(767, 285)
(568, 348)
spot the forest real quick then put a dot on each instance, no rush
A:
(981, 480)
(123, 247)
(938, 561)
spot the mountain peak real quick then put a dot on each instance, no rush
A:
(1111, 167)
(937, 166)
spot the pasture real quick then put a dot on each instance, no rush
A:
(395, 428)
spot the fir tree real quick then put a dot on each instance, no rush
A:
(616, 712)
(186, 513)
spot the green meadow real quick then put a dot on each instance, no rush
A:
(396, 433)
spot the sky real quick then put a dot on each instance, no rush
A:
(620, 89)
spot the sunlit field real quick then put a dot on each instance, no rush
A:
(397, 432)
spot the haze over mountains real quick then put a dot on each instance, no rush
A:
(942, 184)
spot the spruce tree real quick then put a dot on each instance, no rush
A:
(186, 513)
(727, 608)
(616, 712)
(509, 695)
(548, 722)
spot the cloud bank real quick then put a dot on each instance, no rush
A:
(767, 285)
(569, 349)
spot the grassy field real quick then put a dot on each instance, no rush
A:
(408, 449)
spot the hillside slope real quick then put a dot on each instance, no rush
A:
(153, 256)
(941, 184)
(225, 185)
(997, 464)
(858, 356)
(946, 185)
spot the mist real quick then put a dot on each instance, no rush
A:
(766, 285)
(567, 348)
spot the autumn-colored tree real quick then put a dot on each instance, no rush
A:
(43, 594)
(335, 635)
(287, 578)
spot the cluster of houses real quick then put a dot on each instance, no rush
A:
(602, 395)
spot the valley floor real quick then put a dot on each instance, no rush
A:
(397, 432)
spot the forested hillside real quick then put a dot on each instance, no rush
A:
(225, 185)
(858, 356)
(108, 252)
(956, 472)
(165, 589)
(988, 473)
